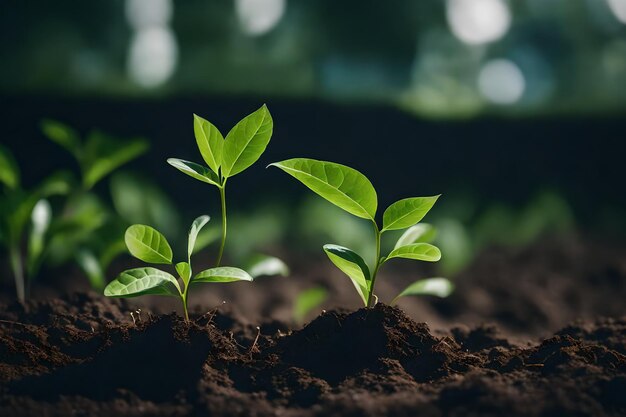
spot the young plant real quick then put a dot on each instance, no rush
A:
(225, 158)
(147, 244)
(350, 190)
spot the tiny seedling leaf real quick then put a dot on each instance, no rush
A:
(142, 281)
(62, 135)
(92, 268)
(184, 271)
(222, 274)
(407, 212)
(351, 264)
(420, 233)
(417, 251)
(263, 265)
(247, 141)
(196, 226)
(41, 217)
(194, 170)
(440, 287)
(210, 142)
(148, 244)
(9, 172)
(343, 186)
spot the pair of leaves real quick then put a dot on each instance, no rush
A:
(242, 147)
(353, 265)
(350, 190)
(149, 245)
(99, 154)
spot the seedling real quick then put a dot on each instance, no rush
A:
(350, 190)
(225, 158)
(149, 245)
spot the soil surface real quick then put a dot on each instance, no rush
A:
(533, 332)
(86, 355)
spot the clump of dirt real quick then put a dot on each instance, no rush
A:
(367, 362)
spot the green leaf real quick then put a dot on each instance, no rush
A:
(440, 287)
(184, 270)
(353, 266)
(407, 212)
(247, 141)
(343, 186)
(417, 251)
(147, 244)
(263, 265)
(104, 154)
(40, 219)
(142, 281)
(9, 171)
(420, 233)
(221, 274)
(210, 142)
(194, 170)
(62, 135)
(307, 300)
(92, 268)
(196, 226)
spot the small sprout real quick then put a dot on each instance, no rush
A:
(149, 245)
(243, 146)
(351, 191)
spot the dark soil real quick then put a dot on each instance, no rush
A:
(83, 355)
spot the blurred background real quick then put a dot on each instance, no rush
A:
(514, 111)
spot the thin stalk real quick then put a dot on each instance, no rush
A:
(185, 295)
(18, 272)
(377, 234)
(223, 199)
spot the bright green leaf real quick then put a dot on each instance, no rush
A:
(196, 226)
(9, 171)
(40, 219)
(142, 281)
(420, 233)
(417, 251)
(343, 186)
(353, 266)
(222, 274)
(194, 170)
(440, 287)
(307, 300)
(247, 141)
(92, 268)
(62, 135)
(407, 212)
(263, 265)
(210, 142)
(184, 271)
(104, 154)
(148, 244)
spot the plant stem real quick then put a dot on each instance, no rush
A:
(18, 272)
(185, 295)
(223, 199)
(377, 234)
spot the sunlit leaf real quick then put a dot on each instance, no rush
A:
(104, 154)
(407, 212)
(92, 268)
(62, 135)
(147, 244)
(263, 265)
(222, 274)
(440, 287)
(420, 233)
(246, 142)
(142, 281)
(184, 271)
(417, 251)
(196, 226)
(353, 266)
(9, 171)
(210, 142)
(41, 217)
(308, 300)
(194, 170)
(343, 186)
